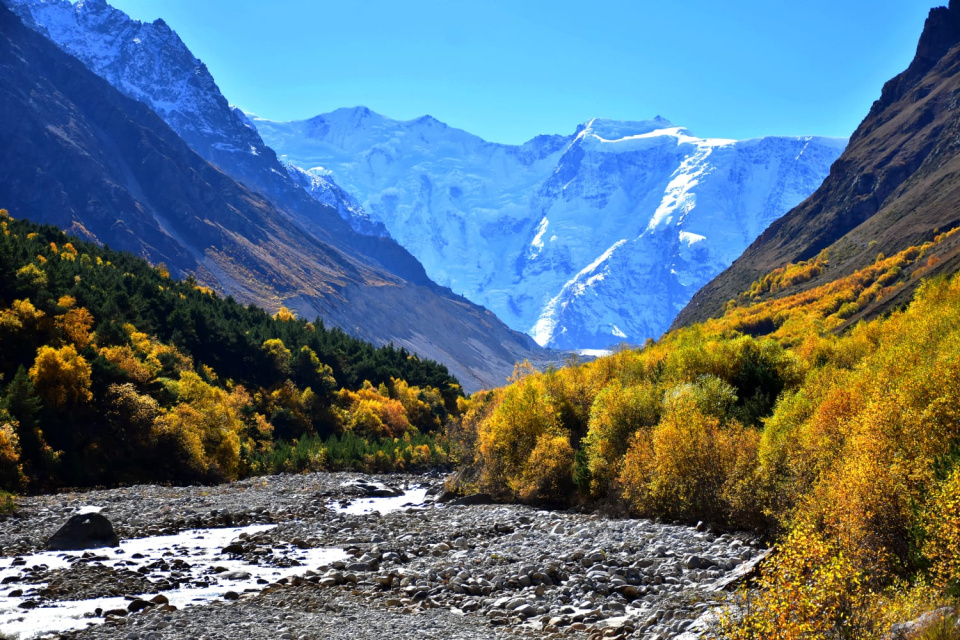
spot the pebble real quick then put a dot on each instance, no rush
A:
(438, 571)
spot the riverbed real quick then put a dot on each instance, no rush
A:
(313, 556)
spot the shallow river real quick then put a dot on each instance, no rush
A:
(210, 574)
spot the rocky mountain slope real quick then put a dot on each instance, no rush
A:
(149, 63)
(79, 154)
(897, 183)
(583, 240)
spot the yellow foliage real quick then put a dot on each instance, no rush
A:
(11, 470)
(419, 405)
(21, 314)
(809, 590)
(616, 414)
(31, 276)
(207, 426)
(139, 339)
(942, 528)
(278, 354)
(548, 471)
(61, 375)
(75, 325)
(285, 315)
(373, 415)
(690, 466)
(508, 437)
(125, 358)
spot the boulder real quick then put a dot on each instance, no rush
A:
(84, 531)
(369, 489)
(915, 628)
(444, 496)
(472, 499)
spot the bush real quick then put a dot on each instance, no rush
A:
(809, 590)
(616, 414)
(547, 477)
(690, 466)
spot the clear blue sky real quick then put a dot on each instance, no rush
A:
(510, 69)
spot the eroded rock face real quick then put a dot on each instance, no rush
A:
(84, 531)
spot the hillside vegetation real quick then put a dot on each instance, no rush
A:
(841, 443)
(112, 372)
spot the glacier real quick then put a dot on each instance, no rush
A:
(584, 241)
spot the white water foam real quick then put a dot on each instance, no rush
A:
(410, 498)
(201, 548)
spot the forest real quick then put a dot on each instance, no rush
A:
(113, 373)
(840, 443)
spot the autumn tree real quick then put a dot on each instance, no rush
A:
(61, 376)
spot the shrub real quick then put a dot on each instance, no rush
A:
(616, 414)
(547, 477)
(942, 529)
(808, 590)
(690, 466)
(508, 437)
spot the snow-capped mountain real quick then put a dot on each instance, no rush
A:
(147, 61)
(583, 241)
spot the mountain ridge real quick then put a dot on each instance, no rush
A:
(893, 187)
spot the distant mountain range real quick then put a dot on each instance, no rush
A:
(79, 154)
(584, 240)
(897, 185)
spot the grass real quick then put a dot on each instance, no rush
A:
(7, 507)
(945, 628)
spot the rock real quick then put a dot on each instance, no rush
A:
(473, 499)
(697, 562)
(84, 531)
(445, 496)
(138, 605)
(741, 573)
(374, 489)
(235, 575)
(914, 628)
(231, 595)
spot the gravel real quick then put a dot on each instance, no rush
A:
(474, 571)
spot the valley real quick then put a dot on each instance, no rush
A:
(323, 376)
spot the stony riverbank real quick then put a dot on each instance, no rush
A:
(434, 570)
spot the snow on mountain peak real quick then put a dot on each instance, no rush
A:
(617, 129)
(582, 240)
